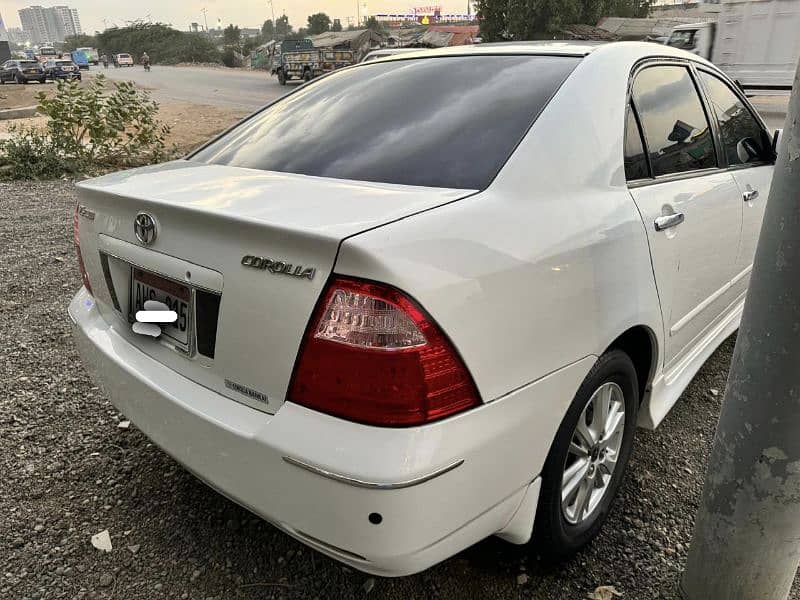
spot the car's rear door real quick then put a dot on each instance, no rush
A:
(690, 205)
(747, 152)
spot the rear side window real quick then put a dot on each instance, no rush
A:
(675, 126)
(440, 122)
(743, 139)
(635, 159)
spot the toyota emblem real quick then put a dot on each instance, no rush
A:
(145, 228)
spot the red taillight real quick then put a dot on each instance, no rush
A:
(372, 355)
(76, 236)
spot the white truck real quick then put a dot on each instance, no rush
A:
(756, 42)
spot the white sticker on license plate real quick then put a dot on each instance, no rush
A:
(148, 286)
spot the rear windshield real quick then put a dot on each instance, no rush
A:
(439, 122)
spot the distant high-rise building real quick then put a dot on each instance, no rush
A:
(49, 25)
(3, 31)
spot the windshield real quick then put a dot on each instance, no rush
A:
(440, 122)
(682, 39)
(27, 64)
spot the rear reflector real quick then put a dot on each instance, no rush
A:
(76, 237)
(372, 355)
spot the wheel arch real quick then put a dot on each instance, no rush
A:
(640, 344)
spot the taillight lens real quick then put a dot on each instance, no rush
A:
(372, 355)
(76, 236)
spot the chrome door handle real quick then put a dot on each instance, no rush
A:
(667, 221)
(750, 195)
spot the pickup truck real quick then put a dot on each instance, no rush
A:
(755, 43)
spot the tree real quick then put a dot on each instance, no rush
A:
(71, 42)
(318, 23)
(373, 24)
(529, 19)
(164, 44)
(337, 25)
(268, 28)
(282, 26)
(232, 36)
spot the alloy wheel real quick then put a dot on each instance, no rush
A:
(593, 453)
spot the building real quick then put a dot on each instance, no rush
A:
(3, 32)
(49, 25)
(17, 36)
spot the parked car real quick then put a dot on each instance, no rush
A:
(384, 52)
(123, 60)
(61, 68)
(414, 314)
(22, 71)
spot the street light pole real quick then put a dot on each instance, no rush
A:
(746, 542)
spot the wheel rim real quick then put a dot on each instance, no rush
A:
(593, 453)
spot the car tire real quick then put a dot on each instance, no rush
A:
(563, 527)
(281, 78)
(307, 75)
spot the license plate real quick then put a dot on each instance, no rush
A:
(149, 286)
(30, 71)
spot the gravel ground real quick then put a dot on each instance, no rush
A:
(69, 472)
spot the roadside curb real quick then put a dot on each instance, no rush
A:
(17, 113)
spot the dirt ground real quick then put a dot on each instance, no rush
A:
(69, 471)
(191, 124)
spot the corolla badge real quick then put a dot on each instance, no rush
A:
(145, 228)
(278, 267)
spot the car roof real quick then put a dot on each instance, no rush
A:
(556, 48)
(622, 52)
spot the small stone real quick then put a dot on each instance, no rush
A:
(124, 424)
(714, 392)
(102, 541)
(158, 586)
(18, 543)
(369, 584)
(134, 548)
(105, 580)
(38, 528)
(522, 579)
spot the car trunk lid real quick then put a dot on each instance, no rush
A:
(254, 250)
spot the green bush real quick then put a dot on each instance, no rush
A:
(89, 129)
(31, 154)
(162, 43)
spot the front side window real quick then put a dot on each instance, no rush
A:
(440, 122)
(675, 126)
(743, 139)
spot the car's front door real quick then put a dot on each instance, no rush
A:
(690, 206)
(4, 70)
(747, 151)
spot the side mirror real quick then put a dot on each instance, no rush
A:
(776, 141)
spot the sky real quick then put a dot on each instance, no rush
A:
(95, 14)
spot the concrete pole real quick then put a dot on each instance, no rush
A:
(746, 542)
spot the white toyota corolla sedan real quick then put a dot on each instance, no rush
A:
(428, 299)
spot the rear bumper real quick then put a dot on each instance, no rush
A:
(438, 488)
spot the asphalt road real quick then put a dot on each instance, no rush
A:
(250, 90)
(231, 88)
